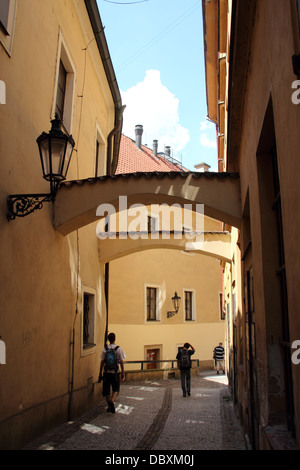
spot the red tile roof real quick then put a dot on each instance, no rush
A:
(134, 160)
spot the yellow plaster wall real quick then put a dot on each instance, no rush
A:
(42, 272)
(170, 271)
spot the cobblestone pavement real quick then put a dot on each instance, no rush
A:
(155, 416)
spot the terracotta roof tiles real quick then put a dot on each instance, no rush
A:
(135, 160)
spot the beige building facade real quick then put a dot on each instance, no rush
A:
(252, 76)
(52, 319)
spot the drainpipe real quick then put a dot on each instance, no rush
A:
(72, 344)
(111, 166)
(113, 151)
(106, 290)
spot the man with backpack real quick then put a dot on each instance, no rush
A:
(184, 363)
(111, 357)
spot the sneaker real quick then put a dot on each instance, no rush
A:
(111, 407)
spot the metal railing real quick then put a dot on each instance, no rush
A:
(172, 361)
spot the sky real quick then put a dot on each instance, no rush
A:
(157, 51)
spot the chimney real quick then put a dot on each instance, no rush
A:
(202, 167)
(155, 146)
(168, 151)
(138, 135)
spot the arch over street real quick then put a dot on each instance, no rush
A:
(216, 245)
(77, 201)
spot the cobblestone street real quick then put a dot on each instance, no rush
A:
(155, 416)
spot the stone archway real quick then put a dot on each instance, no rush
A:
(77, 201)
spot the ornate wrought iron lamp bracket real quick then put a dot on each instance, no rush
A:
(171, 313)
(20, 205)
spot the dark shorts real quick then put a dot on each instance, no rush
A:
(110, 381)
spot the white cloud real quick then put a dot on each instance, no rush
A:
(151, 104)
(208, 134)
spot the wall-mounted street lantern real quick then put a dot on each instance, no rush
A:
(176, 302)
(55, 148)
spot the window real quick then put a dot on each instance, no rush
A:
(4, 11)
(61, 91)
(221, 307)
(100, 159)
(97, 157)
(152, 224)
(152, 297)
(65, 86)
(189, 305)
(8, 9)
(88, 320)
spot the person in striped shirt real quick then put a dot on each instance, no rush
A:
(219, 354)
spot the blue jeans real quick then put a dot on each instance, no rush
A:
(185, 375)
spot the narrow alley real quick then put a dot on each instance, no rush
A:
(155, 416)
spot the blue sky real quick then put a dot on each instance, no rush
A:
(156, 48)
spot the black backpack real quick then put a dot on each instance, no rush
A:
(184, 360)
(111, 360)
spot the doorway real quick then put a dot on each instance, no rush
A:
(281, 407)
(153, 355)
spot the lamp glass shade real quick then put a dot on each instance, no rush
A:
(176, 301)
(55, 152)
(44, 154)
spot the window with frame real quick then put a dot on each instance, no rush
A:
(88, 319)
(4, 15)
(152, 314)
(221, 307)
(189, 305)
(99, 155)
(152, 224)
(8, 10)
(61, 91)
(65, 86)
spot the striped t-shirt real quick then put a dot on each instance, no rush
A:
(219, 353)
